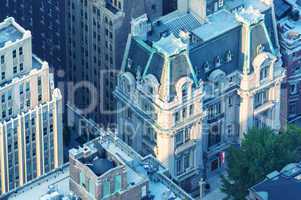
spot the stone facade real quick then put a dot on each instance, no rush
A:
(191, 85)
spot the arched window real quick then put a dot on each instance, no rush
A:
(125, 85)
(185, 90)
(217, 61)
(260, 49)
(228, 56)
(150, 90)
(206, 66)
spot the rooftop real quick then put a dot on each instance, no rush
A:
(290, 33)
(170, 45)
(215, 26)
(101, 165)
(38, 188)
(36, 64)
(285, 184)
(138, 168)
(174, 23)
(9, 33)
(250, 16)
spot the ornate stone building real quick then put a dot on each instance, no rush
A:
(193, 83)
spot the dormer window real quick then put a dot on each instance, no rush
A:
(217, 61)
(125, 85)
(264, 73)
(206, 66)
(150, 90)
(228, 56)
(185, 90)
(260, 49)
(130, 62)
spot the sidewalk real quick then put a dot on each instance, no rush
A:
(215, 183)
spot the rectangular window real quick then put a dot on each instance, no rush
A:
(91, 187)
(179, 166)
(264, 72)
(2, 59)
(27, 86)
(117, 182)
(3, 98)
(177, 117)
(82, 179)
(179, 138)
(191, 109)
(187, 134)
(21, 67)
(20, 89)
(2, 75)
(184, 113)
(21, 51)
(261, 97)
(40, 97)
(230, 101)
(106, 189)
(15, 69)
(14, 53)
(39, 81)
(186, 161)
(214, 110)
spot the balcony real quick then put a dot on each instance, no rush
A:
(185, 146)
(263, 107)
(215, 118)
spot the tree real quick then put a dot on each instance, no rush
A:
(262, 152)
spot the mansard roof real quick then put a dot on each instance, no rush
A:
(168, 63)
(165, 55)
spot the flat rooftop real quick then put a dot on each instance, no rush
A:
(36, 64)
(174, 23)
(218, 23)
(101, 165)
(138, 172)
(9, 33)
(139, 169)
(59, 179)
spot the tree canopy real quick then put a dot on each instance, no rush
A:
(262, 152)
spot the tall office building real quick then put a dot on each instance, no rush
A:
(31, 111)
(169, 6)
(194, 81)
(46, 21)
(97, 32)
